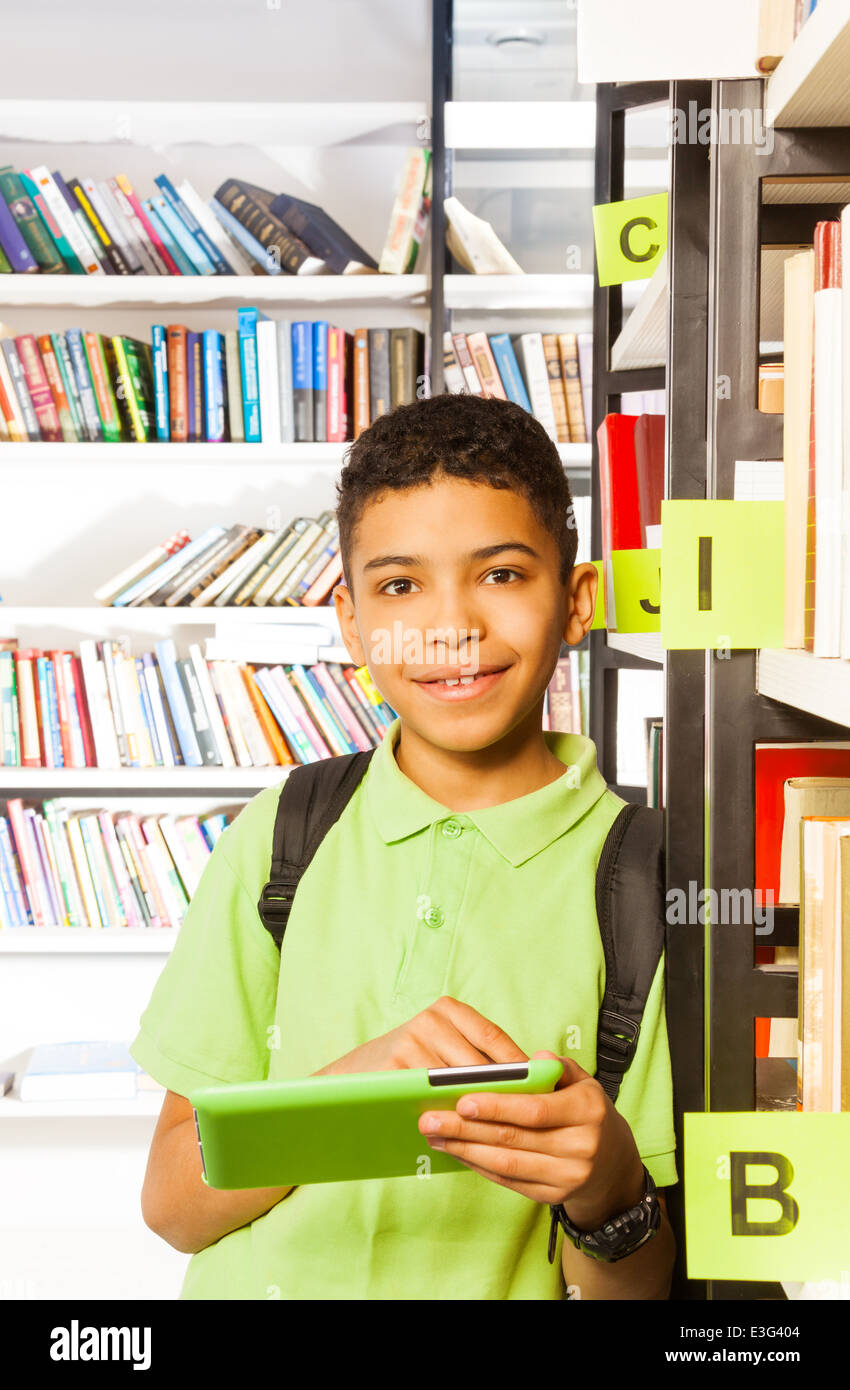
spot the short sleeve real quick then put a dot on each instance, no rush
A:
(207, 1019)
(646, 1093)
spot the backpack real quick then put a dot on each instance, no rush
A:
(629, 894)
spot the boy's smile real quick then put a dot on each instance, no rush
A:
(470, 571)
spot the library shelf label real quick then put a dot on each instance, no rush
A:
(630, 238)
(766, 1195)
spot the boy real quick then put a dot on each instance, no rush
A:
(448, 917)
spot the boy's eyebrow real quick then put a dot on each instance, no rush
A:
(485, 552)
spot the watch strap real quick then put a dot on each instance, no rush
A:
(647, 1211)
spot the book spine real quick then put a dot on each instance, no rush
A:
(82, 376)
(39, 388)
(379, 372)
(107, 408)
(171, 267)
(399, 251)
(9, 403)
(297, 739)
(362, 418)
(63, 246)
(195, 255)
(85, 227)
(220, 265)
(508, 369)
(19, 254)
(30, 224)
(552, 358)
(302, 380)
(137, 427)
(161, 382)
(65, 219)
(213, 386)
(178, 398)
(284, 367)
(568, 351)
(320, 381)
(69, 383)
(289, 253)
(57, 388)
(10, 745)
(235, 419)
(268, 381)
(465, 361)
(106, 246)
(250, 379)
(167, 658)
(485, 366)
(20, 388)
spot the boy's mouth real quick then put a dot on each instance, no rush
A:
(455, 686)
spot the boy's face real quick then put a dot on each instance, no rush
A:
(458, 609)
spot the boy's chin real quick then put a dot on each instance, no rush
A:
(456, 732)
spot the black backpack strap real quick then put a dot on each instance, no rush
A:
(312, 799)
(630, 909)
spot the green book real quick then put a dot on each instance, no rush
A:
(63, 246)
(102, 370)
(30, 224)
(53, 814)
(135, 372)
(69, 382)
(5, 267)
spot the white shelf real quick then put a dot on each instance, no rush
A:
(60, 941)
(69, 455)
(576, 456)
(514, 125)
(146, 1104)
(53, 780)
(217, 123)
(810, 86)
(212, 291)
(541, 293)
(818, 685)
(646, 645)
(229, 618)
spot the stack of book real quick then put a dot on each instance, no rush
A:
(297, 565)
(266, 381)
(63, 868)
(105, 707)
(80, 1071)
(631, 487)
(548, 374)
(817, 445)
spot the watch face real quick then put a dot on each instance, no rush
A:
(623, 1234)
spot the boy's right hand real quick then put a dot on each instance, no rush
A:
(446, 1034)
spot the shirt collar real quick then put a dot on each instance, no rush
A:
(517, 829)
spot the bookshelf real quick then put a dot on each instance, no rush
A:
(809, 87)
(810, 683)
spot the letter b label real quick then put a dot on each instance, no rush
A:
(741, 1190)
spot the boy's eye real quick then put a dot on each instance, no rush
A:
(503, 575)
(399, 586)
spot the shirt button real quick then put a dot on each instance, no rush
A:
(434, 917)
(451, 829)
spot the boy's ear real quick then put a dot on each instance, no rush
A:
(344, 604)
(584, 583)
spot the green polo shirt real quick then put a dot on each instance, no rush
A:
(405, 901)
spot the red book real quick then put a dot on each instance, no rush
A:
(161, 249)
(339, 353)
(83, 711)
(618, 490)
(28, 859)
(178, 390)
(649, 462)
(39, 387)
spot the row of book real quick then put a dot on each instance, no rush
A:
(631, 490)
(102, 227)
(816, 444)
(61, 1071)
(548, 374)
(95, 868)
(104, 707)
(566, 703)
(266, 381)
(297, 565)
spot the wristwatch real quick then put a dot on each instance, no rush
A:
(619, 1235)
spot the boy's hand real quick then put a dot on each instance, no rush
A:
(569, 1145)
(446, 1034)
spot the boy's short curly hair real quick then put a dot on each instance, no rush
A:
(479, 438)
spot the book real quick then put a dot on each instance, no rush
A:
(284, 369)
(805, 797)
(406, 359)
(322, 236)
(162, 399)
(400, 250)
(194, 386)
(532, 359)
(799, 357)
(221, 265)
(302, 380)
(557, 390)
(320, 381)
(486, 369)
(474, 244)
(649, 465)
(39, 387)
(47, 186)
(159, 250)
(618, 492)
(473, 382)
(775, 764)
(569, 356)
(77, 1071)
(18, 387)
(30, 224)
(18, 253)
(268, 379)
(339, 384)
(61, 400)
(243, 204)
(379, 373)
(585, 364)
(453, 378)
(823, 571)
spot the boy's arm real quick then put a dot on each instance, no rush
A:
(644, 1275)
(176, 1203)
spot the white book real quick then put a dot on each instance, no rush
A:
(159, 717)
(246, 717)
(219, 677)
(828, 471)
(284, 376)
(207, 219)
(68, 224)
(806, 796)
(844, 642)
(267, 377)
(103, 728)
(798, 341)
(152, 262)
(453, 378)
(222, 742)
(399, 241)
(78, 1071)
(473, 242)
(109, 221)
(529, 350)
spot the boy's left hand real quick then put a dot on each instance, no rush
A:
(569, 1145)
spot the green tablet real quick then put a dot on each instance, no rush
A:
(342, 1128)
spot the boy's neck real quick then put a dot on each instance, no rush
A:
(516, 765)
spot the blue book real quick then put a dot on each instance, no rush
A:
(53, 711)
(320, 382)
(18, 883)
(14, 907)
(249, 244)
(160, 382)
(295, 736)
(213, 358)
(44, 709)
(88, 402)
(221, 266)
(197, 258)
(147, 711)
(302, 380)
(212, 826)
(194, 388)
(148, 664)
(150, 583)
(78, 1071)
(250, 377)
(184, 265)
(505, 358)
(328, 708)
(166, 655)
(8, 709)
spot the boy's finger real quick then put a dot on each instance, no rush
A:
(578, 1104)
(572, 1071)
(448, 1124)
(482, 1032)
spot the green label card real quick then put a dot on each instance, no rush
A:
(630, 237)
(722, 574)
(599, 610)
(766, 1196)
(637, 589)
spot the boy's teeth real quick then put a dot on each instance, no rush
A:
(452, 680)
(467, 680)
